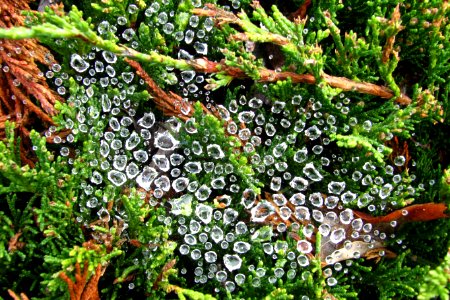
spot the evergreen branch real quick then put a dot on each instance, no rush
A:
(170, 104)
(80, 30)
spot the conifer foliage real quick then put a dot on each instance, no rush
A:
(224, 149)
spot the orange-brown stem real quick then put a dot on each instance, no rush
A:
(413, 213)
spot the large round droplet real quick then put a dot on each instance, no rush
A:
(78, 63)
(204, 213)
(232, 262)
(117, 178)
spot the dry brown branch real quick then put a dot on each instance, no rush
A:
(170, 103)
(17, 297)
(267, 75)
(82, 289)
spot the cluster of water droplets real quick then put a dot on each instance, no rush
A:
(231, 234)
(304, 193)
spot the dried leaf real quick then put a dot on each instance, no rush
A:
(414, 213)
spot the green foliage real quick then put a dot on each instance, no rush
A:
(395, 279)
(436, 284)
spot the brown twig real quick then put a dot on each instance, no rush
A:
(17, 297)
(267, 75)
(301, 11)
(170, 103)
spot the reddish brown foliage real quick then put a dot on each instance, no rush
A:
(14, 244)
(25, 97)
(84, 288)
(399, 149)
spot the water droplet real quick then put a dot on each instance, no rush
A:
(190, 239)
(299, 183)
(302, 213)
(229, 216)
(270, 129)
(297, 199)
(109, 57)
(311, 172)
(132, 141)
(385, 191)
(246, 116)
(140, 155)
(304, 246)
(128, 34)
(203, 192)
(248, 198)
(180, 184)
(348, 196)
(279, 149)
(346, 216)
(301, 155)
(399, 161)
(165, 141)
(204, 213)
(232, 262)
(261, 211)
(189, 36)
(241, 228)
(336, 187)
(201, 48)
(127, 76)
(218, 183)
(210, 256)
(337, 235)
(116, 177)
(216, 234)
(193, 167)
(214, 151)
(241, 247)
(303, 260)
(275, 183)
(163, 18)
(313, 132)
(132, 170)
(145, 179)
(78, 63)
(161, 161)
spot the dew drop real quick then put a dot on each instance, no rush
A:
(78, 63)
